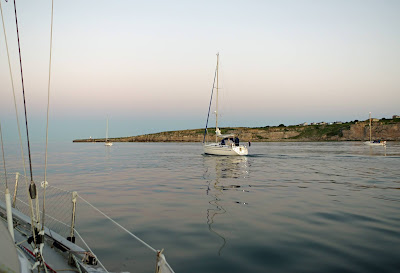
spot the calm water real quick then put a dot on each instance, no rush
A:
(288, 207)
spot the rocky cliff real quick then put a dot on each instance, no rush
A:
(351, 131)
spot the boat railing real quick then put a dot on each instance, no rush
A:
(66, 209)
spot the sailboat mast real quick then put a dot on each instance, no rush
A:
(209, 106)
(107, 131)
(216, 108)
(370, 129)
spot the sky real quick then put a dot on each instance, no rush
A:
(148, 66)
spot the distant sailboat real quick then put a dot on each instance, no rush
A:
(229, 144)
(373, 142)
(108, 142)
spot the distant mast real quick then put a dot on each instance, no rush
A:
(370, 128)
(216, 108)
(107, 131)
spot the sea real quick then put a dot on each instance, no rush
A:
(286, 207)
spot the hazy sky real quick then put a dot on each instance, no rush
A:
(149, 65)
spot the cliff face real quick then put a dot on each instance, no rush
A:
(379, 131)
(174, 136)
(336, 132)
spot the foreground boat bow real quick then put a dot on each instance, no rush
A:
(64, 248)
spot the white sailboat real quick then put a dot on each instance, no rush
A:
(108, 142)
(373, 142)
(229, 143)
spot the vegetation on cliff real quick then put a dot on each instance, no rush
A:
(323, 131)
(387, 129)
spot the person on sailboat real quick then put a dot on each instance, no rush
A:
(236, 141)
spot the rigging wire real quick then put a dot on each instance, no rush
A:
(18, 124)
(209, 107)
(23, 95)
(47, 122)
(113, 221)
(4, 160)
(32, 187)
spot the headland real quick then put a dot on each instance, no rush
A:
(384, 129)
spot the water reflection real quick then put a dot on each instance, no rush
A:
(222, 173)
(379, 150)
(226, 166)
(107, 155)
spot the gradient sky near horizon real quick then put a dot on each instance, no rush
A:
(148, 66)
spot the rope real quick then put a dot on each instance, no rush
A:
(4, 161)
(33, 255)
(209, 107)
(77, 264)
(169, 267)
(130, 233)
(47, 123)
(90, 249)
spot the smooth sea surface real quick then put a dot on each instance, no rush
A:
(287, 207)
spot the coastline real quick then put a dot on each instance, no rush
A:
(388, 130)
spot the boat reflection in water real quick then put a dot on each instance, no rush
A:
(223, 174)
(377, 151)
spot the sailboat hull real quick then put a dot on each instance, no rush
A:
(218, 149)
(372, 143)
